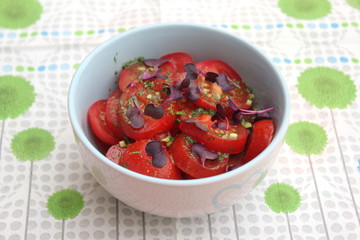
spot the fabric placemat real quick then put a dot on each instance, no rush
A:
(313, 189)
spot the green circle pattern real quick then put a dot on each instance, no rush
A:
(15, 14)
(281, 197)
(306, 138)
(32, 144)
(305, 9)
(326, 87)
(65, 204)
(354, 3)
(16, 96)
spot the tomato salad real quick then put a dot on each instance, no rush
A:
(175, 119)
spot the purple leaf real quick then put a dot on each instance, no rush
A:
(220, 111)
(132, 84)
(200, 151)
(154, 112)
(239, 113)
(154, 147)
(220, 117)
(211, 77)
(159, 160)
(134, 115)
(220, 125)
(146, 75)
(191, 71)
(156, 151)
(175, 94)
(223, 82)
(197, 124)
(184, 84)
(155, 62)
(232, 105)
(237, 117)
(192, 93)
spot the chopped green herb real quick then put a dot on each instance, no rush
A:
(202, 111)
(172, 111)
(249, 90)
(136, 152)
(148, 84)
(178, 120)
(180, 113)
(166, 90)
(231, 149)
(115, 57)
(189, 139)
(132, 61)
(168, 73)
(141, 93)
(116, 73)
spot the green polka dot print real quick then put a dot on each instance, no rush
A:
(306, 138)
(281, 197)
(65, 204)
(32, 144)
(305, 9)
(326, 87)
(16, 96)
(15, 14)
(354, 3)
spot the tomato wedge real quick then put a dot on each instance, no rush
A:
(132, 74)
(211, 93)
(176, 63)
(260, 137)
(115, 153)
(96, 116)
(232, 140)
(136, 159)
(190, 164)
(111, 113)
(151, 126)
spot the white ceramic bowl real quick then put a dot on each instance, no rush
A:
(176, 198)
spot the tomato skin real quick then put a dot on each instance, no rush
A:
(215, 95)
(151, 126)
(260, 137)
(214, 141)
(111, 113)
(115, 153)
(190, 164)
(130, 74)
(136, 159)
(96, 117)
(178, 60)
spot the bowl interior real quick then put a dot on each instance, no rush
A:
(97, 75)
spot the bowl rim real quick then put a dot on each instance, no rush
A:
(169, 182)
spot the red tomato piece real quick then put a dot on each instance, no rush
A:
(211, 93)
(151, 126)
(136, 159)
(111, 113)
(232, 140)
(96, 116)
(261, 135)
(177, 59)
(115, 153)
(190, 164)
(185, 109)
(133, 73)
